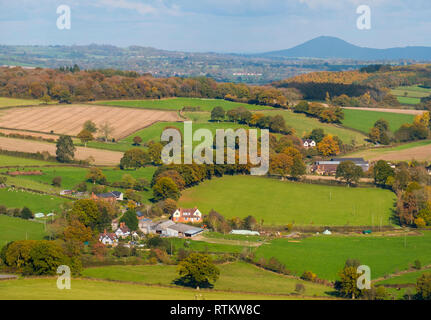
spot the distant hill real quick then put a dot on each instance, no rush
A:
(331, 47)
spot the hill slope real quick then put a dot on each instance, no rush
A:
(331, 47)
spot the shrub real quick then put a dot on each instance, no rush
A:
(299, 288)
(56, 181)
(309, 276)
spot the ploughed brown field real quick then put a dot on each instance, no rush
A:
(70, 119)
(101, 157)
(422, 153)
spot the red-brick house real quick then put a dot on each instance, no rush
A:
(187, 216)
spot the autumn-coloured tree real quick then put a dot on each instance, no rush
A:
(85, 136)
(328, 146)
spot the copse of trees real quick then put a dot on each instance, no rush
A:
(197, 270)
(349, 172)
(380, 133)
(65, 151)
(67, 87)
(32, 257)
(317, 110)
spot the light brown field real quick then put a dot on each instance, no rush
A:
(29, 133)
(422, 153)
(401, 111)
(70, 119)
(101, 157)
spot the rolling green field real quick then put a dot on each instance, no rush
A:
(326, 255)
(304, 125)
(7, 161)
(12, 102)
(46, 289)
(279, 203)
(71, 176)
(179, 103)
(410, 95)
(153, 133)
(36, 202)
(407, 278)
(202, 246)
(12, 229)
(238, 276)
(364, 120)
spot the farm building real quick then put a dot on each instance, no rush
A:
(145, 225)
(245, 232)
(308, 143)
(110, 196)
(168, 228)
(330, 167)
(109, 239)
(187, 216)
(183, 231)
(123, 231)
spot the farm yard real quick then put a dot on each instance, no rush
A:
(101, 157)
(326, 255)
(70, 119)
(279, 203)
(176, 104)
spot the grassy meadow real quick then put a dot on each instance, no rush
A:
(179, 103)
(46, 289)
(326, 255)
(406, 278)
(12, 229)
(36, 202)
(10, 161)
(238, 276)
(364, 120)
(279, 203)
(303, 125)
(71, 176)
(410, 95)
(12, 102)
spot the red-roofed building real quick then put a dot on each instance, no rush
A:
(187, 216)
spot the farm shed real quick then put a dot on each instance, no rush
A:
(245, 232)
(183, 230)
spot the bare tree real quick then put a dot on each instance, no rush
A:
(106, 130)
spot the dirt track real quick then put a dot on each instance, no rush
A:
(70, 119)
(101, 157)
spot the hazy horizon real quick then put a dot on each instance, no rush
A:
(234, 26)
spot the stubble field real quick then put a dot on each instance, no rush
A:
(70, 119)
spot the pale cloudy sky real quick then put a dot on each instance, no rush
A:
(215, 25)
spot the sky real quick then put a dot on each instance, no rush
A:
(240, 26)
